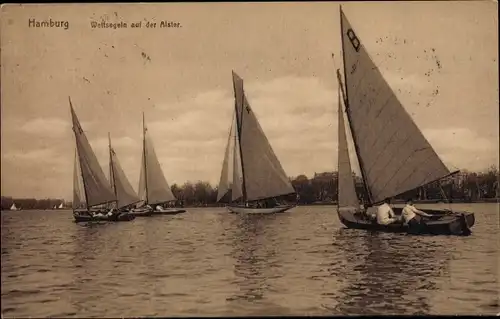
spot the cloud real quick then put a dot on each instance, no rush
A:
(50, 126)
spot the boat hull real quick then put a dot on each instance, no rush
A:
(251, 210)
(85, 217)
(442, 223)
(150, 212)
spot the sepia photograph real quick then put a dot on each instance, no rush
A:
(250, 159)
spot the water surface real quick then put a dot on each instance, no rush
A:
(208, 262)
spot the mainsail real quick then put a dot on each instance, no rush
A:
(347, 191)
(230, 184)
(261, 175)
(153, 187)
(125, 194)
(393, 154)
(96, 186)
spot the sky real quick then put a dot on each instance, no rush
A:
(181, 78)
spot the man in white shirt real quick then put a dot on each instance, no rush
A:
(385, 214)
(413, 216)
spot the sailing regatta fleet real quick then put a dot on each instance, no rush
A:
(393, 155)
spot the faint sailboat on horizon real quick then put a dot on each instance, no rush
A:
(393, 155)
(91, 189)
(13, 207)
(61, 206)
(153, 190)
(252, 178)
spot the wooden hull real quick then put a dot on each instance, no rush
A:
(83, 218)
(457, 223)
(251, 210)
(150, 212)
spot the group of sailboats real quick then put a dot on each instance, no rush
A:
(393, 155)
(97, 199)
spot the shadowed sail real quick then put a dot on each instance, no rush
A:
(347, 191)
(78, 196)
(125, 194)
(393, 154)
(261, 173)
(96, 187)
(153, 187)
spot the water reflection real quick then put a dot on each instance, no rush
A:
(257, 261)
(388, 273)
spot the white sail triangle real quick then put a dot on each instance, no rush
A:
(263, 175)
(153, 186)
(393, 154)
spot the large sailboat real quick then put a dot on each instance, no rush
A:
(393, 155)
(252, 178)
(91, 182)
(154, 191)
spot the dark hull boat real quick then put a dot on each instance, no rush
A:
(150, 212)
(441, 223)
(393, 155)
(251, 172)
(85, 216)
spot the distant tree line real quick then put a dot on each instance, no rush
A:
(321, 188)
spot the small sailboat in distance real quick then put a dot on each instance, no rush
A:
(154, 190)
(256, 178)
(96, 188)
(393, 155)
(61, 206)
(13, 207)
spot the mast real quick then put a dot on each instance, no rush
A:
(238, 126)
(79, 162)
(234, 167)
(144, 157)
(346, 101)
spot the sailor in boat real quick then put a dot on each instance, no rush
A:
(413, 217)
(385, 214)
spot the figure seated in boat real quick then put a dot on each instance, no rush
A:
(385, 214)
(413, 217)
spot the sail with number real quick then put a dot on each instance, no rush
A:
(393, 154)
(125, 194)
(95, 185)
(153, 186)
(257, 172)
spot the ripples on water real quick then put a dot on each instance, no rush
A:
(210, 262)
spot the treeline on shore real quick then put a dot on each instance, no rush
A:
(320, 189)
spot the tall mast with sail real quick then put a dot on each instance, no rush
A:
(125, 194)
(153, 186)
(393, 154)
(96, 188)
(257, 172)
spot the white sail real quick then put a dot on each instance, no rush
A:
(13, 207)
(153, 186)
(78, 195)
(347, 190)
(97, 188)
(263, 175)
(394, 155)
(125, 194)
